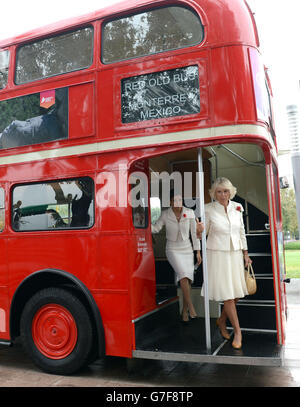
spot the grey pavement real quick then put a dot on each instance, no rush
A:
(293, 291)
(17, 370)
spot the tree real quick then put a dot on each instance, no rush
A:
(289, 211)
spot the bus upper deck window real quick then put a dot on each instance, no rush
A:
(151, 32)
(4, 62)
(63, 53)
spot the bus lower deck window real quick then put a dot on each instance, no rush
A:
(53, 205)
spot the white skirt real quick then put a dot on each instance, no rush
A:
(181, 257)
(226, 277)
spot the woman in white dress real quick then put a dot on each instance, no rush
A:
(180, 223)
(227, 254)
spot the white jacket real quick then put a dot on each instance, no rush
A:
(186, 225)
(224, 228)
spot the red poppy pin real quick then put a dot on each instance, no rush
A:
(238, 208)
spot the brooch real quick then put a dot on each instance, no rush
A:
(238, 208)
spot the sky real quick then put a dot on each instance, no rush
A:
(277, 22)
(279, 33)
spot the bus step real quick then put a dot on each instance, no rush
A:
(265, 290)
(259, 243)
(258, 316)
(6, 343)
(262, 263)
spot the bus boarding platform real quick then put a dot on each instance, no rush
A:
(163, 338)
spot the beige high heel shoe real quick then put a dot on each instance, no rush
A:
(236, 345)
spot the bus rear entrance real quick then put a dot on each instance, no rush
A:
(159, 334)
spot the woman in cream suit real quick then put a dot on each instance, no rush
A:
(227, 254)
(180, 223)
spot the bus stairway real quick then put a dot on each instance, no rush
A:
(257, 312)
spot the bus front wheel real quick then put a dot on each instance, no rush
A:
(56, 331)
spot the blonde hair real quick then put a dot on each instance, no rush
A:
(223, 183)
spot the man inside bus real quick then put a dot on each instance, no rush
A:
(80, 207)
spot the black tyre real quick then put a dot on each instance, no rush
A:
(56, 331)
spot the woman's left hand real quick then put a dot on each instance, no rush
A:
(199, 258)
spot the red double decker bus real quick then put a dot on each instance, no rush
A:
(97, 113)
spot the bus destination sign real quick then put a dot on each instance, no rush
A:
(161, 95)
